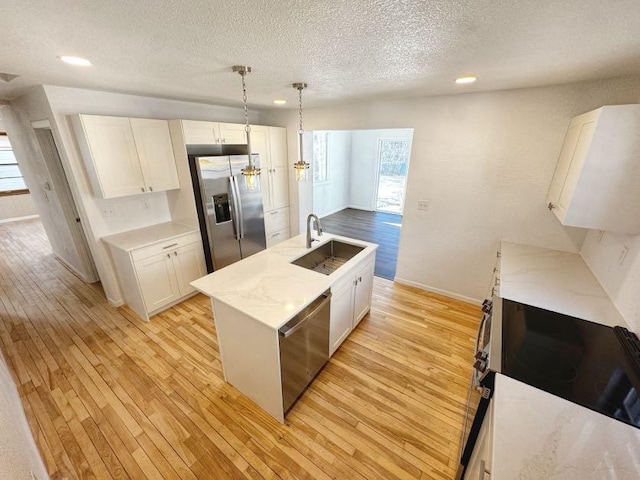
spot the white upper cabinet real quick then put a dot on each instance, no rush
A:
(271, 144)
(126, 156)
(153, 142)
(596, 184)
(209, 133)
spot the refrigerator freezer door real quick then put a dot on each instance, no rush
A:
(220, 210)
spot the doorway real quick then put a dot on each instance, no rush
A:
(359, 179)
(393, 165)
(57, 193)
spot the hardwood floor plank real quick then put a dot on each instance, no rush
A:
(109, 396)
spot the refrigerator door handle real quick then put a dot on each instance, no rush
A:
(235, 216)
(238, 202)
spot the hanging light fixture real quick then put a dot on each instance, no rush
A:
(301, 166)
(251, 173)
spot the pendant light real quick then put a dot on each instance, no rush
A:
(251, 173)
(302, 167)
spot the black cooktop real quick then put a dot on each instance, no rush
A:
(586, 363)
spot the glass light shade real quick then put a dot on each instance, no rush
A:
(251, 176)
(302, 169)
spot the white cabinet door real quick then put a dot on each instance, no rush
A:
(341, 314)
(198, 132)
(279, 183)
(113, 152)
(189, 266)
(260, 145)
(595, 184)
(362, 298)
(157, 280)
(155, 150)
(232, 133)
(278, 146)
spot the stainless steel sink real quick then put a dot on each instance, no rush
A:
(329, 257)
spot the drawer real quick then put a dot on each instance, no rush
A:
(276, 220)
(167, 245)
(274, 238)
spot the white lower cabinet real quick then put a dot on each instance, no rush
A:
(157, 276)
(350, 301)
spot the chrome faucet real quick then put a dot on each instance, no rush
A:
(310, 239)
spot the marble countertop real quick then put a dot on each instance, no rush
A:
(554, 280)
(141, 237)
(267, 287)
(537, 435)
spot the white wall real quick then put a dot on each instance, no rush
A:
(484, 162)
(364, 163)
(19, 456)
(333, 195)
(16, 206)
(17, 118)
(57, 103)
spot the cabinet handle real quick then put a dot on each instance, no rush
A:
(274, 213)
(151, 189)
(169, 246)
(360, 279)
(275, 235)
(168, 255)
(175, 253)
(551, 206)
(142, 188)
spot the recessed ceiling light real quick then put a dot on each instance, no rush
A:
(83, 62)
(468, 79)
(279, 101)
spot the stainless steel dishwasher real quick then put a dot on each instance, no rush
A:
(304, 348)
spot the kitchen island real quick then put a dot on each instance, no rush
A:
(253, 298)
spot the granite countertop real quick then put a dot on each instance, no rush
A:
(267, 287)
(537, 435)
(554, 280)
(142, 237)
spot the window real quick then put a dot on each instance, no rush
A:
(11, 180)
(320, 157)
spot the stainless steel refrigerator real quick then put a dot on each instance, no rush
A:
(231, 216)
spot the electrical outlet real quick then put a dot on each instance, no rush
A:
(423, 205)
(145, 204)
(108, 211)
(623, 255)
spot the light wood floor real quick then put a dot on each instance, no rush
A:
(108, 396)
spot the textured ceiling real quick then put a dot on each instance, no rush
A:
(345, 50)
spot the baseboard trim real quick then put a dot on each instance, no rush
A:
(335, 210)
(115, 303)
(439, 291)
(17, 219)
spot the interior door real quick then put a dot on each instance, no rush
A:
(71, 217)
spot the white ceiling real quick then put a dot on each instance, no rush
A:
(346, 50)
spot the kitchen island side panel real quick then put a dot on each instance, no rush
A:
(250, 357)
